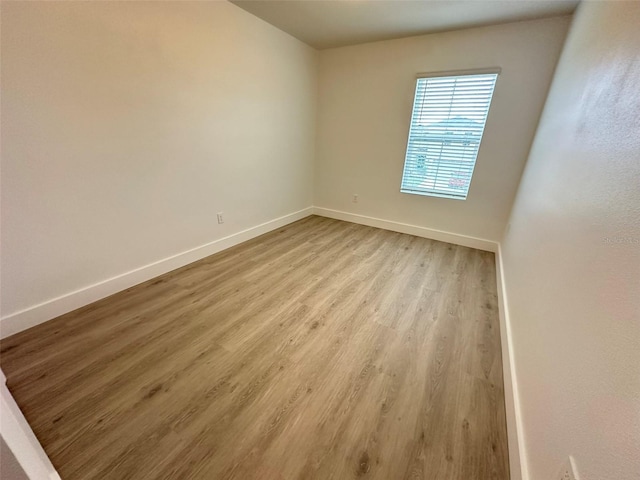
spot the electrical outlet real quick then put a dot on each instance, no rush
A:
(220, 217)
(568, 470)
(355, 198)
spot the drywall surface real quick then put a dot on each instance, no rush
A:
(572, 257)
(126, 126)
(365, 101)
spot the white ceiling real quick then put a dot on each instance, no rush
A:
(334, 23)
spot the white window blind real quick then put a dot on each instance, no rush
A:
(447, 122)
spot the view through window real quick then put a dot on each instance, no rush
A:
(447, 123)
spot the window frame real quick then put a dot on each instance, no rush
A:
(451, 73)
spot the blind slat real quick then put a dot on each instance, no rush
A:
(447, 124)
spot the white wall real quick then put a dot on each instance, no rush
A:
(572, 257)
(127, 125)
(365, 100)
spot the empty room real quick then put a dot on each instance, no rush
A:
(320, 239)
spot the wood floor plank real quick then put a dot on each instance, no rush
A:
(322, 350)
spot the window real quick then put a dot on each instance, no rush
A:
(447, 122)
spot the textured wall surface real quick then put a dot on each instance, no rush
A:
(364, 110)
(572, 257)
(126, 126)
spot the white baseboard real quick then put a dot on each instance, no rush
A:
(440, 235)
(40, 313)
(517, 455)
(55, 307)
(515, 433)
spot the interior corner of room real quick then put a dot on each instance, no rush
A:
(255, 239)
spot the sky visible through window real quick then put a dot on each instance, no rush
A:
(447, 123)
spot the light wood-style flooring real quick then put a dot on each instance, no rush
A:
(322, 350)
